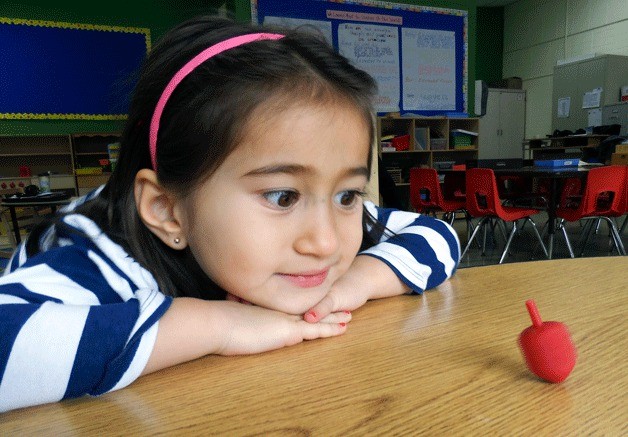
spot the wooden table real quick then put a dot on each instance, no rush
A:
(445, 363)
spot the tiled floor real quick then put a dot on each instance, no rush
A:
(524, 246)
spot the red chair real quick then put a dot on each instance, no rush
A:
(513, 188)
(603, 198)
(571, 192)
(427, 197)
(623, 227)
(483, 201)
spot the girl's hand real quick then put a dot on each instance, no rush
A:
(192, 328)
(250, 329)
(367, 278)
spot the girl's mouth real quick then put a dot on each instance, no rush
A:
(306, 279)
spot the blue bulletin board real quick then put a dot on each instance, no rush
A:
(416, 54)
(52, 70)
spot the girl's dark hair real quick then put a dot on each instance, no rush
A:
(204, 121)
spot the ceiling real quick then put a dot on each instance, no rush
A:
(489, 3)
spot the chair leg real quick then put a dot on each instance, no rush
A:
(470, 229)
(615, 234)
(504, 230)
(451, 218)
(470, 226)
(512, 234)
(542, 233)
(484, 237)
(492, 222)
(623, 227)
(562, 228)
(502, 227)
(523, 226)
(597, 225)
(584, 238)
(594, 222)
(475, 232)
(611, 237)
(538, 237)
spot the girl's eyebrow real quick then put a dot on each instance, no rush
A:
(294, 169)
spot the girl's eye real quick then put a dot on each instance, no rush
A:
(283, 198)
(349, 198)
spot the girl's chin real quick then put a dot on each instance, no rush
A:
(289, 300)
(297, 311)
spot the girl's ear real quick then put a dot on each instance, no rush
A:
(156, 208)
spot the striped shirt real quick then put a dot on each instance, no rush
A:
(81, 317)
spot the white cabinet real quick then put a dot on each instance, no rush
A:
(606, 73)
(502, 129)
(616, 114)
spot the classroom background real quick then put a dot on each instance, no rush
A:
(523, 38)
(514, 45)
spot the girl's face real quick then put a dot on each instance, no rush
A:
(281, 218)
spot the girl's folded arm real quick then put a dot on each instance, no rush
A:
(67, 351)
(422, 250)
(192, 328)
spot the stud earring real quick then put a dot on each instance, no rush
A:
(177, 240)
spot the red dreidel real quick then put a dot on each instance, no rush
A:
(547, 347)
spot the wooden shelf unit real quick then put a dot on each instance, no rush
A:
(437, 147)
(89, 149)
(40, 154)
(550, 148)
(59, 154)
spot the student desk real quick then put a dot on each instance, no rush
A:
(555, 175)
(52, 203)
(444, 363)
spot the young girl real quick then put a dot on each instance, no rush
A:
(230, 225)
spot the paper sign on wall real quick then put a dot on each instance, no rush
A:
(595, 117)
(591, 99)
(564, 104)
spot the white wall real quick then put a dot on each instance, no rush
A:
(537, 33)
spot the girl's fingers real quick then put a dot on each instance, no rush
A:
(339, 317)
(321, 309)
(312, 331)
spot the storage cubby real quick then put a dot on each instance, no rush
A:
(24, 157)
(89, 150)
(430, 144)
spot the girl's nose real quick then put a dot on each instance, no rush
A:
(318, 234)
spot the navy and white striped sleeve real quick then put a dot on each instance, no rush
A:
(423, 251)
(77, 319)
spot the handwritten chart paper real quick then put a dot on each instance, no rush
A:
(314, 26)
(429, 70)
(374, 49)
(417, 55)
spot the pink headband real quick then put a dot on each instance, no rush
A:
(187, 69)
